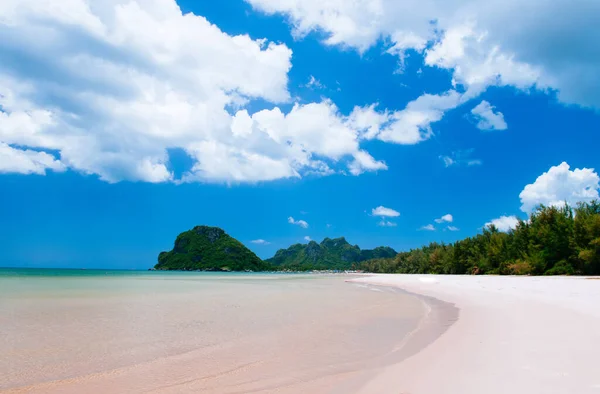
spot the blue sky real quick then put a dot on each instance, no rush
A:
(125, 123)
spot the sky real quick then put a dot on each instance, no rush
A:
(389, 122)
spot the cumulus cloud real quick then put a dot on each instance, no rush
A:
(447, 218)
(504, 223)
(112, 86)
(452, 228)
(428, 227)
(413, 124)
(476, 62)
(407, 126)
(368, 120)
(300, 223)
(559, 185)
(487, 118)
(557, 48)
(384, 212)
(260, 242)
(25, 161)
(307, 238)
(363, 161)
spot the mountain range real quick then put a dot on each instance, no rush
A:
(206, 248)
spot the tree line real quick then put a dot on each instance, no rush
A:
(554, 241)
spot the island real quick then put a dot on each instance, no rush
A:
(330, 254)
(205, 248)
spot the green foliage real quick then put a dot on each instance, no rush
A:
(555, 241)
(331, 254)
(209, 249)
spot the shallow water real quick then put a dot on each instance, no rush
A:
(69, 331)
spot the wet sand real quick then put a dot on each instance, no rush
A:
(184, 334)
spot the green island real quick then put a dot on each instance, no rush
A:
(331, 254)
(206, 248)
(554, 241)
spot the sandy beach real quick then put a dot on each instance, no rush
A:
(375, 334)
(530, 335)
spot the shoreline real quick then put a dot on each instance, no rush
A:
(470, 335)
(514, 335)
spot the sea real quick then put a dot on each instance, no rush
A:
(107, 331)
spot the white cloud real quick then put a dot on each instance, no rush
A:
(365, 162)
(386, 223)
(504, 223)
(260, 242)
(300, 223)
(428, 227)
(314, 83)
(413, 124)
(498, 42)
(559, 185)
(476, 62)
(112, 86)
(448, 161)
(408, 126)
(460, 158)
(25, 161)
(487, 118)
(384, 212)
(452, 228)
(289, 144)
(368, 120)
(307, 238)
(354, 24)
(447, 218)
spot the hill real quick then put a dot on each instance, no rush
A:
(330, 254)
(206, 248)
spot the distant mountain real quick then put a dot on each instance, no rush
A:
(331, 254)
(209, 249)
(380, 252)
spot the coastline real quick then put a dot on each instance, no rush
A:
(514, 335)
(462, 334)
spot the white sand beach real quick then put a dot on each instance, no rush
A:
(533, 335)
(301, 334)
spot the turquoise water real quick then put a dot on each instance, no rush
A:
(72, 283)
(53, 272)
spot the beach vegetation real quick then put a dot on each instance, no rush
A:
(556, 240)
